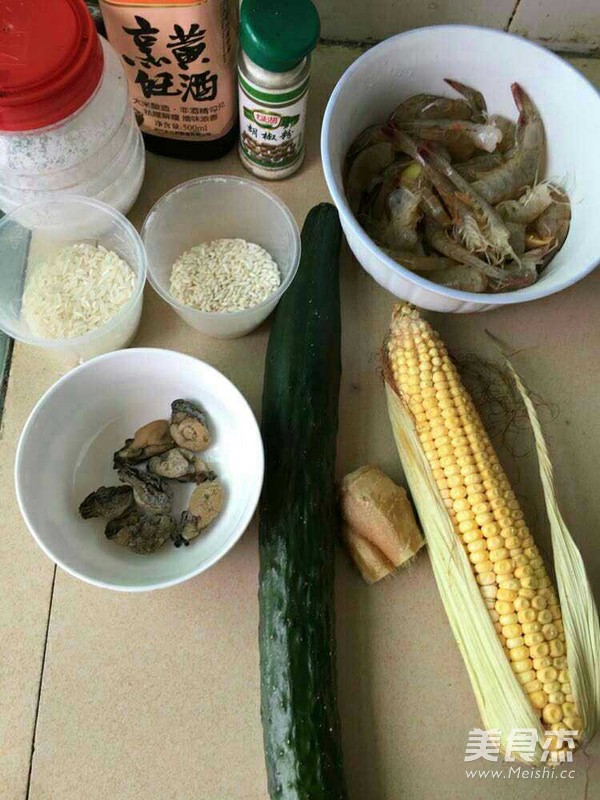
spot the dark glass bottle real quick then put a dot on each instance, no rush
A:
(180, 64)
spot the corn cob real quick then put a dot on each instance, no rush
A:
(485, 514)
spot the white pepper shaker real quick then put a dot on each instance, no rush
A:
(276, 39)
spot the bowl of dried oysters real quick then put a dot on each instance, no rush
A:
(139, 469)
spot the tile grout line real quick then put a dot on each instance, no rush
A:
(39, 694)
(512, 16)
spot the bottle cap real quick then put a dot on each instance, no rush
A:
(278, 34)
(51, 62)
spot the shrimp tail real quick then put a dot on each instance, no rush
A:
(474, 98)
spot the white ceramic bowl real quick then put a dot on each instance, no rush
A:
(65, 452)
(418, 61)
(220, 207)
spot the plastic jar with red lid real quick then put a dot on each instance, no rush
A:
(66, 123)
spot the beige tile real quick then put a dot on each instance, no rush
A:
(377, 19)
(26, 579)
(156, 695)
(571, 26)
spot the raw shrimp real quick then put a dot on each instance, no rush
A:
(418, 263)
(367, 164)
(439, 239)
(403, 215)
(465, 279)
(516, 237)
(430, 106)
(523, 165)
(475, 167)
(554, 222)
(431, 205)
(474, 98)
(378, 190)
(528, 207)
(508, 128)
(492, 229)
(374, 134)
(459, 136)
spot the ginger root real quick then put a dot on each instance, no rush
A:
(380, 529)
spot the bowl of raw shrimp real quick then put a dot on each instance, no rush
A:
(459, 161)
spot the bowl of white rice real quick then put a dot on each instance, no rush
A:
(221, 251)
(72, 273)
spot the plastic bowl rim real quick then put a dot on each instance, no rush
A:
(77, 341)
(339, 198)
(226, 546)
(275, 297)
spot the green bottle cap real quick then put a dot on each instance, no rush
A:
(278, 34)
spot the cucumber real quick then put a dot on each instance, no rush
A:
(297, 526)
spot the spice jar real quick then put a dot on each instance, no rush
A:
(65, 119)
(276, 39)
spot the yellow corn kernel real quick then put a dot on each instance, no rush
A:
(512, 632)
(528, 615)
(539, 603)
(528, 592)
(538, 699)
(528, 677)
(555, 611)
(531, 627)
(557, 648)
(533, 686)
(573, 723)
(540, 650)
(524, 665)
(504, 607)
(547, 674)
(540, 663)
(556, 698)
(552, 686)
(507, 619)
(532, 639)
(486, 578)
(552, 713)
(519, 653)
(522, 604)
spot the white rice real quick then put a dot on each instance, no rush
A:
(224, 275)
(81, 288)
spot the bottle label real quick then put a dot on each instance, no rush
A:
(272, 123)
(178, 57)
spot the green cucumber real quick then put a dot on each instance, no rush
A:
(297, 526)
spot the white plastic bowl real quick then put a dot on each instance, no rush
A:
(66, 448)
(220, 207)
(418, 61)
(33, 233)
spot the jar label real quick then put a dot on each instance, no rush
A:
(272, 124)
(178, 56)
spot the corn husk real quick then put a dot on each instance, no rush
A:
(502, 703)
(580, 616)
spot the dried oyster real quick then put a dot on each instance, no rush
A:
(188, 425)
(150, 440)
(140, 532)
(206, 503)
(107, 502)
(182, 465)
(150, 492)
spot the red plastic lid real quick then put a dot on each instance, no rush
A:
(50, 61)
